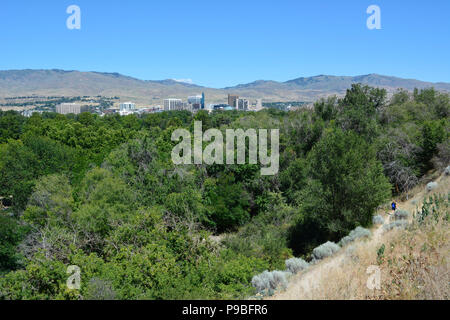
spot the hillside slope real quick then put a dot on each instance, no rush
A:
(75, 83)
(15, 83)
(414, 263)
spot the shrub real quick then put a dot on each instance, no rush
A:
(431, 186)
(352, 253)
(325, 250)
(357, 233)
(280, 279)
(268, 281)
(99, 289)
(377, 219)
(431, 206)
(395, 224)
(401, 214)
(380, 254)
(295, 265)
(447, 171)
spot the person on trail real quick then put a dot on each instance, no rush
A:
(394, 206)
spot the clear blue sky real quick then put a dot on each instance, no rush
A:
(224, 43)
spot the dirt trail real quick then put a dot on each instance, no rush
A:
(303, 285)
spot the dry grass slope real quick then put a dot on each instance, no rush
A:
(413, 261)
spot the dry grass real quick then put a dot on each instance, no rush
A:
(414, 264)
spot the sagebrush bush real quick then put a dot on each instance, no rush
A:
(352, 253)
(357, 233)
(431, 186)
(401, 214)
(295, 265)
(325, 250)
(266, 282)
(377, 219)
(395, 224)
(447, 171)
(261, 282)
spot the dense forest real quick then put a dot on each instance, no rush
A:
(102, 193)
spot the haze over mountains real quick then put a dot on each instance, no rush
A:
(74, 83)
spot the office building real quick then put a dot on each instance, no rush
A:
(242, 104)
(68, 108)
(259, 104)
(232, 100)
(172, 104)
(256, 105)
(127, 107)
(195, 100)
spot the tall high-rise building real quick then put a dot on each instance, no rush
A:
(242, 104)
(195, 100)
(172, 104)
(232, 100)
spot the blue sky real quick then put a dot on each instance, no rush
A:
(224, 43)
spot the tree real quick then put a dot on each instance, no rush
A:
(326, 109)
(433, 133)
(398, 153)
(359, 108)
(345, 186)
(227, 202)
(11, 125)
(18, 170)
(106, 202)
(11, 233)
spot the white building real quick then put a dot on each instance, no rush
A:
(29, 113)
(256, 105)
(259, 104)
(127, 108)
(173, 104)
(68, 108)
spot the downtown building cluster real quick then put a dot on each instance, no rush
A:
(193, 104)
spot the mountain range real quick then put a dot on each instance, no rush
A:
(15, 83)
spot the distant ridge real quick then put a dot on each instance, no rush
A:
(75, 83)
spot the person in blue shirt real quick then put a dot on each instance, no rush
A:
(394, 206)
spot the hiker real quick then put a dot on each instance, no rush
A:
(394, 206)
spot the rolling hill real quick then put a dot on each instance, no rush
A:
(75, 83)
